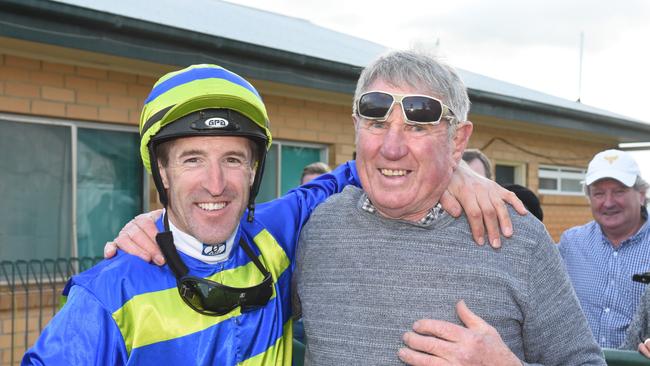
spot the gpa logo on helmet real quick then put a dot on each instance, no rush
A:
(216, 122)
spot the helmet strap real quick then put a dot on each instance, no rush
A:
(157, 178)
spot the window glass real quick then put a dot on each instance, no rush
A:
(548, 183)
(294, 159)
(269, 186)
(109, 186)
(561, 180)
(572, 185)
(504, 174)
(36, 191)
(283, 168)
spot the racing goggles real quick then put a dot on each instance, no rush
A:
(377, 105)
(212, 298)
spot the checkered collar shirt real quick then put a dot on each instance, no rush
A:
(432, 215)
(601, 275)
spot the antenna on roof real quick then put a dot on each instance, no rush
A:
(582, 44)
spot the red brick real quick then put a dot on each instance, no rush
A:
(119, 101)
(113, 115)
(307, 135)
(134, 117)
(122, 77)
(147, 81)
(2, 87)
(80, 83)
(82, 112)
(91, 72)
(22, 62)
(13, 73)
(139, 91)
(326, 137)
(46, 78)
(18, 105)
(92, 98)
(48, 108)
(111, 87)
(56, 67)
(58, 94)
(22, 90)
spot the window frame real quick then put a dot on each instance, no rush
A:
(279, 143)
(74, 125)
(519, 170)
(560, 173)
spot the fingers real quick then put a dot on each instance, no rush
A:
(125, 242)
(471, 320)
(439, 329)
(422, 350)
(138, 238)
(110, 249)
(450, 204)
(474, 215)
(489, 215)
(513, 200)
(502, 213)
(644, 348)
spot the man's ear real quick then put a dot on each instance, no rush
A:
(253, 171)
(163, 175)
(355, 122)
(463, 132)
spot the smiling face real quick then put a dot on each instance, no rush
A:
(405, 168)
(616, 208)
(208, 182)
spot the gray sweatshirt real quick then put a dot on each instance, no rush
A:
(362, 280)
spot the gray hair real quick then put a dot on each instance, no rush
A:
(418, 70)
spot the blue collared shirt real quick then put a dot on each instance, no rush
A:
(602, 277)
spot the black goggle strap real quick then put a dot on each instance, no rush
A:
(253, 257)
(165, 241)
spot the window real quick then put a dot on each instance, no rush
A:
(283, 167)
(54, 171)
(561, 180)
(510, 173)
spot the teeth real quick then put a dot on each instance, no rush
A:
(212, 206)
(393, 172)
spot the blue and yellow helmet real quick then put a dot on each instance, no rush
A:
(203, 100)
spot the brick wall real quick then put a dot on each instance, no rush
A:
(533, 147)
(43, 88)
(22, 323)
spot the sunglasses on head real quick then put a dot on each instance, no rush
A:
(212, 298)
(377, 105)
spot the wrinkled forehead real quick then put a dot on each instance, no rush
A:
(608, 183)
(402, 87)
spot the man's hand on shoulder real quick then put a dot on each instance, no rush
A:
(138, 237)
(484, 202)
(437, 342)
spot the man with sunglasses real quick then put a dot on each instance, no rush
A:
(224, 297)
(384, 264)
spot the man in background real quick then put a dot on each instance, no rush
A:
(313, 170)
(602, 255)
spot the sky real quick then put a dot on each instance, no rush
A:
(535, 44)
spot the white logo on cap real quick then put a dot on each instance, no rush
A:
(216, 122)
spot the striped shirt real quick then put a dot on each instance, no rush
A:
(602, 277)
